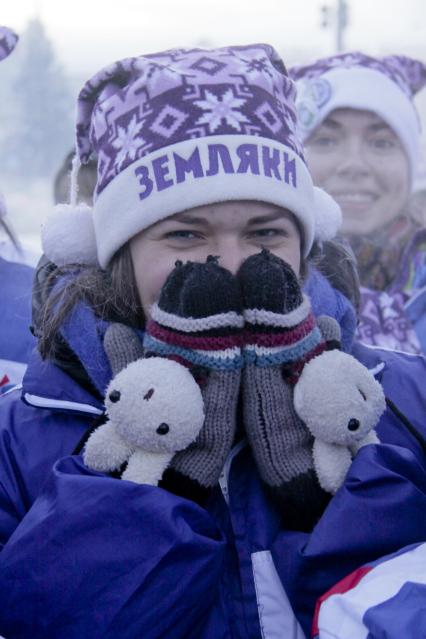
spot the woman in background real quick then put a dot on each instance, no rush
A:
(362, 137)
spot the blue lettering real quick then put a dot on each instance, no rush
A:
(217, 151)
(289, 170)
(161, 170)
(248, 158)
(271, 162)
(144, 180)
(191, 165)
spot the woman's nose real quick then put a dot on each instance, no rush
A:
(353, 162)
(231, 256)
(231, 261)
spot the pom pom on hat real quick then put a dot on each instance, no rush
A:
(68, 236)
(328, 216)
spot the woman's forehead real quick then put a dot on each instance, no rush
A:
(246, 210)
(347, 117)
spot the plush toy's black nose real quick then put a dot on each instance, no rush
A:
(163, 429)
(114, 396)
(353, 424)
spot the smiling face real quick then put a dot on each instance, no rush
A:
(230, 230)
(357, 158)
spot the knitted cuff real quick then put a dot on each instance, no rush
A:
(280, 328)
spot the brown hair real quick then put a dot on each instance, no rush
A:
(337, 262)
(112, 294)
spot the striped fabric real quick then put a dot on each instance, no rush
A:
(195, 324)
(285, 354)
(382, 599)
(220, 350)
(283, 320)
(288, 339)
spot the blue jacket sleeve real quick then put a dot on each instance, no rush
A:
(386, 598)
(380, 509)
(99, 557)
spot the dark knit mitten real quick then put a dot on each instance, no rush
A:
(198, 322)
(281, 335)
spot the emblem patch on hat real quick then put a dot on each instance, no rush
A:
(321, 91)
(312, 96)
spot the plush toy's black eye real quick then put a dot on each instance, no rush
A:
(163, 429)
(114, 396)
(363, 395)
(149, 394)
(353, 424)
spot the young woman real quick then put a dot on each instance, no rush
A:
(362, 136)
(204, 220)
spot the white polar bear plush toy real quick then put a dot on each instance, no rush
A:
(154, 407)
(340, 402)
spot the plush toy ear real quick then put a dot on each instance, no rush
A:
(122, 346)
(68, 236)
(328, 216)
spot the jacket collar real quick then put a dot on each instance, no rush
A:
(47, 386)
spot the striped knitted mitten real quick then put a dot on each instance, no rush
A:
(198, 322)
(281, 335)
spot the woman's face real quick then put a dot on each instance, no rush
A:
(230, 230)
(357, 158)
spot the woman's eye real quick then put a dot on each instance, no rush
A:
(383, 144)
(269, 233)
(323, 142)
(181, 235)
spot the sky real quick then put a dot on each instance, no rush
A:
(88, 34)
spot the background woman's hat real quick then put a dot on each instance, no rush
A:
(386, 86)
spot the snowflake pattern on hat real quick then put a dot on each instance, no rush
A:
(8, 40)
(218, 109)
(407, 73)
(127, 141)
(139, 105)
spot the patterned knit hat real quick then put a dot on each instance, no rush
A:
(184, 128)
(8, 40)
(386, 86)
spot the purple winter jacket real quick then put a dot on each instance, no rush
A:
(84, 554)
